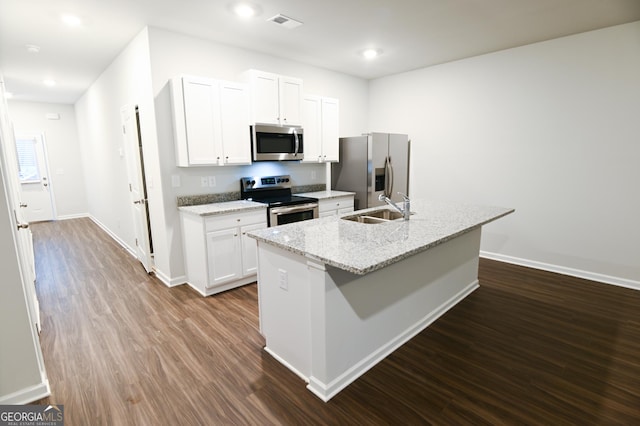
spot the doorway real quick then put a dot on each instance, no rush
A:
(36, 188)
(137, 185)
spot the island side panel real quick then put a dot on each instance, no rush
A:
(283, 286)
(358, 320)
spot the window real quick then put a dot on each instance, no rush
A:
(28, 171)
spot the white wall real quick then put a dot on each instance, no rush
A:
(551, 129)
(126, 82)
(63, 150)
(175, 54)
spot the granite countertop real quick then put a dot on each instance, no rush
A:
(222, 208)
(361, 248)
(325, 194)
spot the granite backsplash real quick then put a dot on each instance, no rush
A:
(195, 200)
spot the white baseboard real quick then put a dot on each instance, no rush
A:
(286, 364)
(73, 216)
(168, 281)
(326, 391)
(27, 395)
(113, 236)
(164, 278)
(593, 276)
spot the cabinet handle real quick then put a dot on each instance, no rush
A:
(235, 235)
(23, 226)
(23, 204)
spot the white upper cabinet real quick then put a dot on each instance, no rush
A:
(320, 121)
(290, 93)
(275, 99)
(211, 122)
(234, 118)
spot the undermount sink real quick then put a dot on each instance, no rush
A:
(375, 216)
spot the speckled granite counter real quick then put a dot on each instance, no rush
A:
(325, 195)
(222, 208)
(361, 248)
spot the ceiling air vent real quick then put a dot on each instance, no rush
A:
(285, 21)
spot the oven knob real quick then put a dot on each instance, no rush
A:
(286, 180)
(253, 182)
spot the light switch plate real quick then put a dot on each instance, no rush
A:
(175, 181)
(212, 181)
(204, 182)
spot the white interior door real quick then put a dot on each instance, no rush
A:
(33, 175)
(24, 238)
(137, 186)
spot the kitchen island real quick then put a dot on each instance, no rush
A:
(337, 296)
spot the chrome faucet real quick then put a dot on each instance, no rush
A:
(405, 210)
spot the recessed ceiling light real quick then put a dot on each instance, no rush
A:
(8, 95)
(49, 82)
(246, 10)
(71, 20)
(371, 53)
(32, 48)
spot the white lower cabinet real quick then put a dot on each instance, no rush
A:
(335, 206)
(218, 254)
(223, 256)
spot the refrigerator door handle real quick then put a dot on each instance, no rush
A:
(388, 188)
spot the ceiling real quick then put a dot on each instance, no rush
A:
(411, 33)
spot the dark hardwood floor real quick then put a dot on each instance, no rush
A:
(527, 347)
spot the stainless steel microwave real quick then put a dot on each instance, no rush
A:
(271, 142)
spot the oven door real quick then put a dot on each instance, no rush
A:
(290, 214)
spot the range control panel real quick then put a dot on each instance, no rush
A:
(265, 182)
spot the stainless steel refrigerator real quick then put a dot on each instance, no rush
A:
(373, 164)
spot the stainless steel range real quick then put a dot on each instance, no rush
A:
(275, 191)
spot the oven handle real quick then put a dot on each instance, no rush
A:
(299, 207)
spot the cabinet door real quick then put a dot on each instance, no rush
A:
(311, 117)
(264, 97)
(202, 120)
(250, 249)
(234, 114)
(330, 130)
(290, 100)
(223, 256)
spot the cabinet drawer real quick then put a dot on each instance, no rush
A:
(335, 204)
(226, 221)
